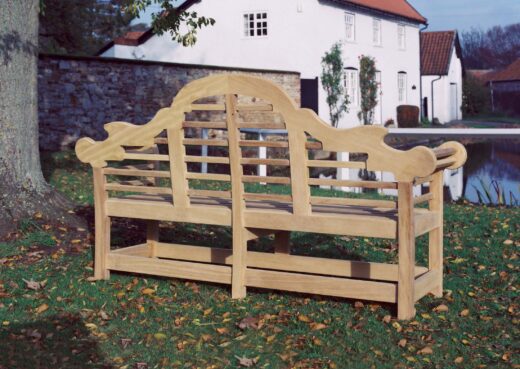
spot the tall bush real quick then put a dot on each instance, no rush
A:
(368, 87)
(332, 78)
(475, 97)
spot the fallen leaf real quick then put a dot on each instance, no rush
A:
(160, 336)
(244, 361)
(141, 366)
(458, 360)
(458, 260)
(304, 318)
(118, 360)
(402, 342)
(125, 342)
(104, 315)
(318, 326)
(40, 309)
(359, 305)
(441, 308)
(270, 339)
(33, 285)
(397, 326)
(148, 291)
(508, 242)
(464, 312)
(91, 326)
(248, 322)
(222, 330)
(387, 318)
(425, 351)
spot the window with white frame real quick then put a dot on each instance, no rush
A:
(402, 87)
(350, 27)
(376, 29)
(352, 85)
(255, 24)
(401, 36)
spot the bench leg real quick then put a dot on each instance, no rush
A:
(238, 280)
(435, 237)
(406, 268)
(282, 244)
(102, 226)
(102, 247)
(152, 237)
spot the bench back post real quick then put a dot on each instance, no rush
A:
(406, 245)
(238, 278)
(435, 237)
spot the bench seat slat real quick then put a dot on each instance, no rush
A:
(268, 212)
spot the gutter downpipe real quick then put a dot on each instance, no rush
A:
(421, 104)
(433, 100)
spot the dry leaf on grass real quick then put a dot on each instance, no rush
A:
(248, 322)
(244, 361)
(40, 309)
(441, 308)
(33, 285)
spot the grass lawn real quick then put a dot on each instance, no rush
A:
(52, 316)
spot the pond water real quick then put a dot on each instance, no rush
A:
(493, 168)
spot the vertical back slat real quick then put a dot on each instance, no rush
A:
(238, 288)
(178, 168)
(299, 173)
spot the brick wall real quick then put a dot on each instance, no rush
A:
(78, 95)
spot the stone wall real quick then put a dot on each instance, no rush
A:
(78, 95)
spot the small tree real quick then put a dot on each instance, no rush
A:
(475, 96)
(332, 78)
(368, 86)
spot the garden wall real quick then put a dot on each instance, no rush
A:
(78, 95)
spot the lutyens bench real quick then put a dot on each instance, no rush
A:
(155, 175)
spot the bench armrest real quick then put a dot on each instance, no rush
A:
(406, 165)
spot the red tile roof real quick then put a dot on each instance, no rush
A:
(396, 7)
(511, 73)
(436, 51)
(130, 38)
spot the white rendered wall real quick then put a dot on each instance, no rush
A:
(446, 107)
(300, 32)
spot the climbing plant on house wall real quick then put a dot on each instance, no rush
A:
(332, 80)
(368, 87)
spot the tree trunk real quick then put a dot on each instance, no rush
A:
(23, 190)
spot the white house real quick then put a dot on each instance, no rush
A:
(441, 70)
(294, 35)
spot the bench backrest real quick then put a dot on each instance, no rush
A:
(207, 126)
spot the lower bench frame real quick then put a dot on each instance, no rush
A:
(331, 277)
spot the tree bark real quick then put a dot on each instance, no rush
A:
(23, 190)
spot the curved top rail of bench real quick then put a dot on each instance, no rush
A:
(406, 165)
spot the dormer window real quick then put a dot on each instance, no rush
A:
(255, 24)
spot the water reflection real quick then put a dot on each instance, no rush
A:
(492, 161)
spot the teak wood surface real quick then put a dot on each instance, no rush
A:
(167, 146)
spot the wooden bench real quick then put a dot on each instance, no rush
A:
(169, 150)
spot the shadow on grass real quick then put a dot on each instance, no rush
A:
(57, 342)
